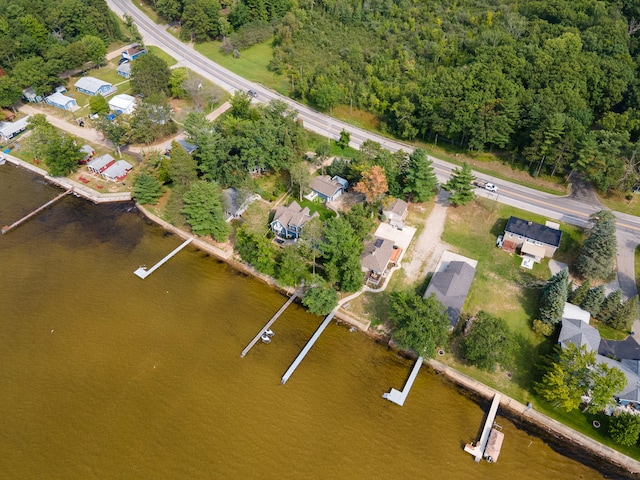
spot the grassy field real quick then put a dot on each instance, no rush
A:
(251, 65)
(163, 55)
(637, 265)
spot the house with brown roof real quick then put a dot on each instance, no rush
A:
(379, 255)
(288, 221)
(328, 188)
(396, 212)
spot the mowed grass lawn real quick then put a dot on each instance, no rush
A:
(251, 65)
(502, 287)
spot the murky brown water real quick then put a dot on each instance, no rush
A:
(106, 376)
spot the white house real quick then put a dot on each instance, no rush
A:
(9, 130)
(122, 103)
(59, 100)
(117, 172)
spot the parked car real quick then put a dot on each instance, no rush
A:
(499, 241)
(122, 60)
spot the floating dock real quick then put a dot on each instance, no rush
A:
(478, 449)
(143, 273)
(307, 347)
(494, 445)
(399, 397)
(6, 228)
(270, 322)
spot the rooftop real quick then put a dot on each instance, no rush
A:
(534, 231)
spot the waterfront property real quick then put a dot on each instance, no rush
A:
(289, 221)
(379, 254)
(478, 449)
(117, 172)
(59, 100)
(235, 203)
(94, 86)
(88, 152)
(101, 163)
(534, 240)
(451, 283)
(8, 130)
(122, 104)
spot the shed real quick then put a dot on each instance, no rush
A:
(122, 103)
(94, 86)
(59, 100)
(8, 115)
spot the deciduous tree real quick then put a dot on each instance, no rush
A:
(320, 299)
(489, 343)
(624, 428)
(150, 74)
(373, 184)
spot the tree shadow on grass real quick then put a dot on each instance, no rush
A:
(377, 305)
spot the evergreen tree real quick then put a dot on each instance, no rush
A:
(599, 248)
(554, 296)
(345, 138)
(181, 167)
(204, 211)
(578, 295)
(593, 301)
(625, 315)
(609, 306)
(459, 185)
(420, 179)
(147, 189)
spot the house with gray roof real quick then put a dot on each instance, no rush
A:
(396, 212)
(117, 172)
(101, 163)
(94, 86)
(377, 256)
(236, 203)
(59, 100)
(288, 221)
(579, 333)
(451, 287)
(124, 70)
(533, 239)
(328, 188)
(8, 130)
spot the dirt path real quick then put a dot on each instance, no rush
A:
(428, 247)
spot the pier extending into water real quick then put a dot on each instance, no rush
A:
(270, 322)
(399, 397)
(6, 228)
(478, 449)
(143, 273)
(307, 347)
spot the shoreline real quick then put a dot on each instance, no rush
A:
(549, 430)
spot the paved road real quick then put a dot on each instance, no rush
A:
(564, 209)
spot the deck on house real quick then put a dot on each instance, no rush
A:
(143, 273)
(307, 347)
(6, 228)
(399, 397)
(270, 322)
(477, 450)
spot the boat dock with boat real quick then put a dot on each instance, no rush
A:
(490, 443)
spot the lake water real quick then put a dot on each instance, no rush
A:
(107, 376)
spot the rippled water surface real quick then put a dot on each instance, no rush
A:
(107, 376)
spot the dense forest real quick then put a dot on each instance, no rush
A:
(552, 83)
(39, 40)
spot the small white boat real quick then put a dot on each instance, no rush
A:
(265, 338)
(269, 332)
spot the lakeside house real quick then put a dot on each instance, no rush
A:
(122, 104)
(8, 130)
(94, 86)
(534, 240)
(88, 152)
(451, 283)
(378, 255)
(236, 203)
(621, 354)
(101, 163)
(289, 221)
(396, 212)
(327, 188)
(117, 172)
(61, 101)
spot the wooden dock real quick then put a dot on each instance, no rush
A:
(270, 322)
(399, 397)
(307, 347)
(477, 450)
(6, 228)
(143, 273)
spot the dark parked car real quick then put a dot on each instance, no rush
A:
(122, 60)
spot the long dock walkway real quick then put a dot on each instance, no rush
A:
(478, 449)
(399, 397)
(270, 322)
(6, 228)
(143, 273)
(307, 347)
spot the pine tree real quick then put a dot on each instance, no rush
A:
(147, 189)
(594, 300)
(554, 296)
(599, 248)
(579, 294)
(420, 180)
(625, 315)
(459, 185)
(610, 305)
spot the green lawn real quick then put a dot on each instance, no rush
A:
(251, 65)
(637, 265)
(318, 207)
(163, 55)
